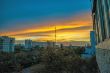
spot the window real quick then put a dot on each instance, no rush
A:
(109, 15)
(107, 19)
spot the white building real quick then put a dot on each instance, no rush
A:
(7, 44)
(40, 44)
(44, 44)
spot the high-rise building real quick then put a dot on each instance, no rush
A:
(7, 44)
(101, 26)
(90, 50)
(93, 41)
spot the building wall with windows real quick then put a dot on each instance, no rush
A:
(101, 25)
(1, 44)
(101, 19)
(7, 44)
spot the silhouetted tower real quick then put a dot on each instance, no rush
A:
(55, 36)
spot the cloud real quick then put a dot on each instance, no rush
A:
(74, 28)
(46, 33)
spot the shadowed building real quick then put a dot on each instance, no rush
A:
(101, 25)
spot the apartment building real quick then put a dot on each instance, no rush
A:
(101, 26)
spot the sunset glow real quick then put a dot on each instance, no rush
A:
(75, 29)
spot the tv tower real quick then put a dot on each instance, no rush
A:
(55, 36)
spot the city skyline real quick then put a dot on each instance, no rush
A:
(37, 21)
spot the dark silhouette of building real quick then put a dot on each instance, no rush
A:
(101, 26)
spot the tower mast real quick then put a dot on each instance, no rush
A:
(55, 35)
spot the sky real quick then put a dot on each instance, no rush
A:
(37, 19)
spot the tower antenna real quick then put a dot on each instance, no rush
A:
(55, 36)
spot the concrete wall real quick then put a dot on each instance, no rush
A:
(103, 60)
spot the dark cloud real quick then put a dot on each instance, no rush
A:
(46, 33)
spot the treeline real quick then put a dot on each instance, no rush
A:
(67, 61)
(10, 62)
(54, 60)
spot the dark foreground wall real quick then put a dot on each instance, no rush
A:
(103, 60)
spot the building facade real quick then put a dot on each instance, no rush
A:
(28, 44)
(40, 44)
(7, 44)
(101, 26)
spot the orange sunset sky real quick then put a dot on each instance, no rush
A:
(76, 28)
(37, 19)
